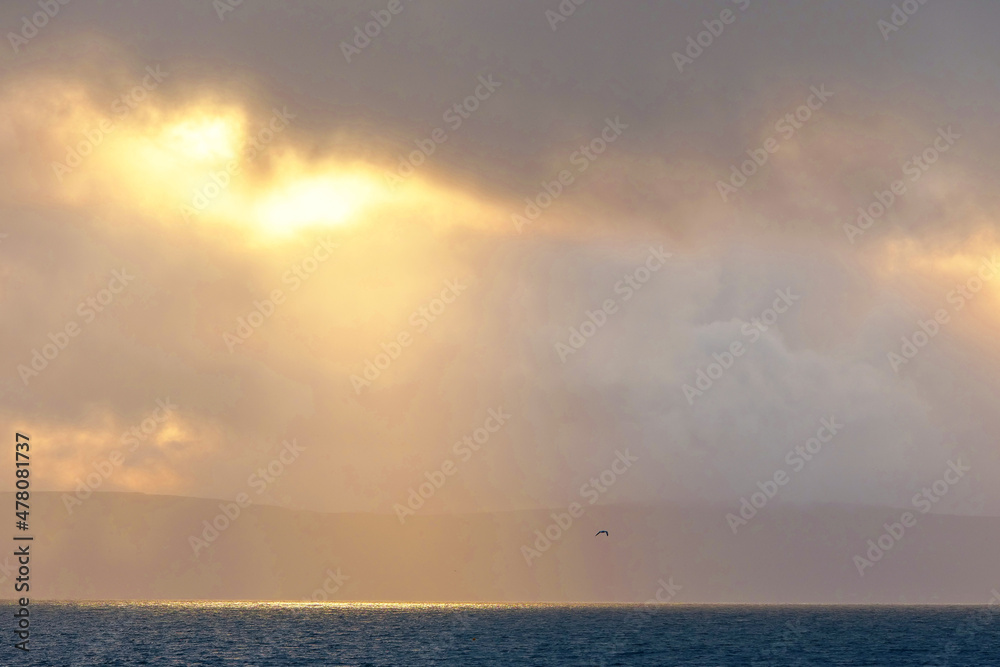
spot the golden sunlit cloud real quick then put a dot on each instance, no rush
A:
(315, 200)
(207, 138)
(107, 454)
(960, 280)
(906, 256)
(204, 163)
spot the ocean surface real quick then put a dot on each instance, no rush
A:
(232, 633)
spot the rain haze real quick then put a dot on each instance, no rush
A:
(427, 294)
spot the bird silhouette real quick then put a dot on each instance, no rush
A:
(603, 531)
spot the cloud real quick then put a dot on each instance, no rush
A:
(314, 140)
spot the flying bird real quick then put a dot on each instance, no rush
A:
(603, 531)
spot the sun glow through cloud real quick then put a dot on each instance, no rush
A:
(206, 139)
(320, 200)
(195, 164)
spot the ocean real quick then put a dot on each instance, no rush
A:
(244, 633)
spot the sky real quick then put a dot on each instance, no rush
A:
(493, 247)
